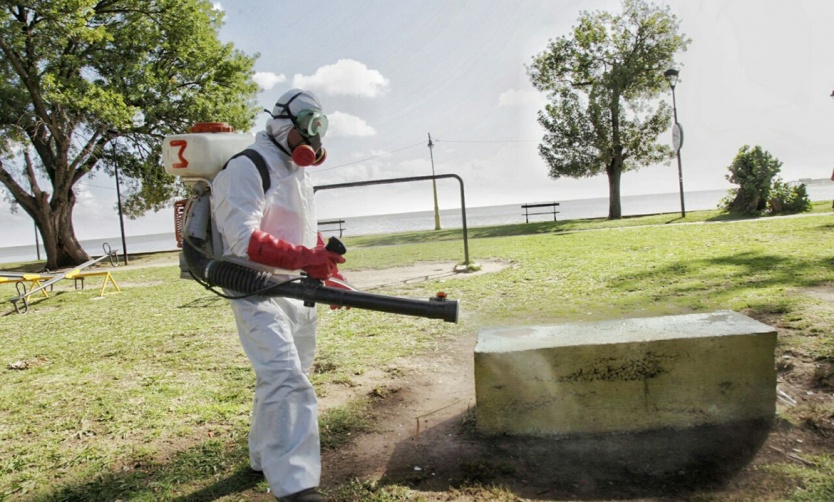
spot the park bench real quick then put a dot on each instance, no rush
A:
(326, 223)
(528, 207)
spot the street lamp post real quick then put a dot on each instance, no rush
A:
(677, 131)
(434, 187)
(37, 243)
(119, 203)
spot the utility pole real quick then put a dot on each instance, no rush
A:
(434, 187)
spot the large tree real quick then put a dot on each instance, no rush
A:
(89, 84)
(602, 84)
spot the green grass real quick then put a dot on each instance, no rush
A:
(339, 424)
(816, 483)
(146, 394)
(372, 491)
(546, 227)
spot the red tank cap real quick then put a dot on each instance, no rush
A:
(211, 127)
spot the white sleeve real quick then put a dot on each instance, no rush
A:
(237, 204)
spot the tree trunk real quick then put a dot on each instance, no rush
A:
(744, 203)
(615, 166)
(615, 211)
(54, 222)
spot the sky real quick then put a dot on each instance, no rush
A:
(389, 73)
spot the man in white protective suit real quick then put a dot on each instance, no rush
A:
(278, 228)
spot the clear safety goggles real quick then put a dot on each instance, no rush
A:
(311, 123)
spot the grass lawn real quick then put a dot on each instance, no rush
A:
(145, 394)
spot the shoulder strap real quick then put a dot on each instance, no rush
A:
(259, 162)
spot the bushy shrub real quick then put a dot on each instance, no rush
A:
(788, 199)
(760, 189)
(724, 203)
(752, 170)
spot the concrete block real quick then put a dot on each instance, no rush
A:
(625, 375)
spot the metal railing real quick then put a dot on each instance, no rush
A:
(408, 180)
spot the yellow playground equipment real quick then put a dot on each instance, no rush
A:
(39, 282)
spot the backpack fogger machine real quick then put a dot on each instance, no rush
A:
(196, 158)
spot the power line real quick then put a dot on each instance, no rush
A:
(95, 186)
(487, 141)
(418, 144)
(371, 158)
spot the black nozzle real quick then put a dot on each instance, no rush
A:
(244, 280)
(334, 245)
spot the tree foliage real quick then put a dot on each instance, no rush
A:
(760, 189)
(602, 82)
(87, 84)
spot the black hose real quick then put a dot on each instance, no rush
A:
(244, 280)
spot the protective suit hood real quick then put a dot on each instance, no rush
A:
(279, 128)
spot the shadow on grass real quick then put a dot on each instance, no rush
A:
(542, 227)
(33, 302)
(547, 227)
(241, 480)
(668, 463)
(214, 469)
(226, 466)
(728, 275)
(204, 302)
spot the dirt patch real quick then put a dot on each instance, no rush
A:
(825, 293)
(439, 271)
(361, 279)
(425, 439)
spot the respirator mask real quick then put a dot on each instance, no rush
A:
(311, 126)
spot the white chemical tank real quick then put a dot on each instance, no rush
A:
(203, 152)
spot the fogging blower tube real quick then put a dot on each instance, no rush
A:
(241, 279)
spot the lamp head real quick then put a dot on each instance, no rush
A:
(672, 76)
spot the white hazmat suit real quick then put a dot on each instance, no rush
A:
(278, 334)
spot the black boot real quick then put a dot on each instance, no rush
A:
(308, 495)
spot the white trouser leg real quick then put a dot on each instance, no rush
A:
(278, 336)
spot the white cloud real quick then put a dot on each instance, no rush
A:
(517, 98)
(94, 196)
(344, 124)
(267, 80)
(345, 78)
(217, 6)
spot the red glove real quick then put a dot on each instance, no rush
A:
(318, 262)
(332, 284)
